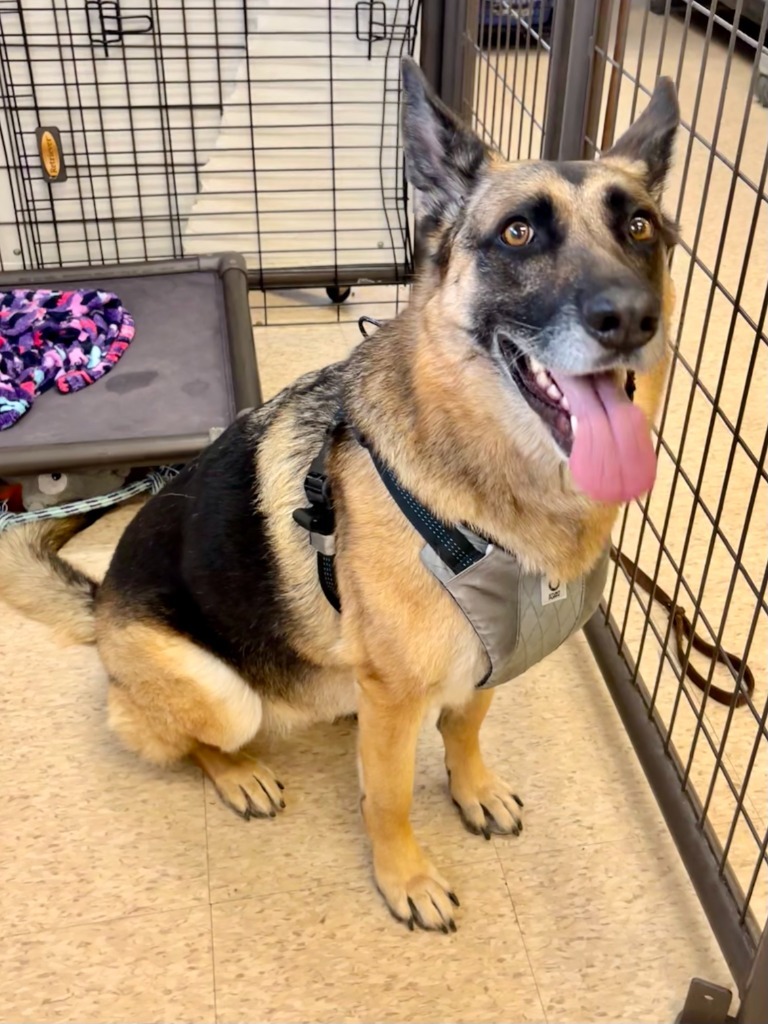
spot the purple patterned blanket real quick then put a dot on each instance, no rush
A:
(69, 339)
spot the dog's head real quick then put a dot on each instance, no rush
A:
(557, 273)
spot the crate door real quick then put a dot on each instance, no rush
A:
(306, 169)
(135, 96)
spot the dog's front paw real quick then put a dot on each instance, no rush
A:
(486, 803)
(416, 893)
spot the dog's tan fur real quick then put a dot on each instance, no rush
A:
(37, 582)
(461, 439)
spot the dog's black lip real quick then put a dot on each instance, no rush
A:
(550, 412)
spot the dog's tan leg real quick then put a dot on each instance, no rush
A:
(170, 699)
(406, 878)
(486, 803)
(243, 783)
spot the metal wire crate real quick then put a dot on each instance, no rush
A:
(179, 134)
(185, 127)
(701, 539)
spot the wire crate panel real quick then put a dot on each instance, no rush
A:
(702, 535)
(193, 126)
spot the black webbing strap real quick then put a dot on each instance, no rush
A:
(448, 543)
(318, 519)
(683, 630)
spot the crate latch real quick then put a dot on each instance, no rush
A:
(107, 26)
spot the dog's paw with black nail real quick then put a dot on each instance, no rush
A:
(487, 805)
(415, 893)
(249, 788)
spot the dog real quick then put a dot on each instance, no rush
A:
(496, 400)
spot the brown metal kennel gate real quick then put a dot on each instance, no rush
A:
(692, 707)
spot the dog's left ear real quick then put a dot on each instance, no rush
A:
(651, 137)
(443, 159)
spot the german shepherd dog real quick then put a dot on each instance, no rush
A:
(497, 399)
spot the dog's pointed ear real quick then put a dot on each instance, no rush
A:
(443, 159)
(651, 138)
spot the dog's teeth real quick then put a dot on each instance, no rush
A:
(543, 380)
(574, 425)
(565, 403)
(535, 365)
(554, 392)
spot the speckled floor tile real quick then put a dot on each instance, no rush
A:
(338, 956)
(98, 837)
(649, 993)
(149, 968)
(608, 907)
(556, 732)
(594, 918)
(88, 831)
(287, 352)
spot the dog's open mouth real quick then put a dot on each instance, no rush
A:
(539, 389)
(591, 416)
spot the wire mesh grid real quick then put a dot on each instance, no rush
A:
(509, 44)
(701, 539)
(703, 534)
(190, 126)
(195, 126)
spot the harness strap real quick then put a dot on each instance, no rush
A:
(458, 553)
(448, 542)
(684, 631)
(318, 519)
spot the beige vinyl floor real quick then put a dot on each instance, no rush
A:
(130, 894)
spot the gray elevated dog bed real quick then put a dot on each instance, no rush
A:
(189, 371)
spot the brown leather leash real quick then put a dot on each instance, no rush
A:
(684, 631)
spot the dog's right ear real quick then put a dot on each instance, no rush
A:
(443, 159)
(651, 138)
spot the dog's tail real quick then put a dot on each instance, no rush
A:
(36, 580)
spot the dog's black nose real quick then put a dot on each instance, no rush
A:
(621, 318)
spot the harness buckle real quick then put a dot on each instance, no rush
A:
(315, 519)
(317, 488)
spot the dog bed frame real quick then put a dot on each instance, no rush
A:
(190, 370)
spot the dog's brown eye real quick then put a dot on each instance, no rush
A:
(517, 233)
(641, 229)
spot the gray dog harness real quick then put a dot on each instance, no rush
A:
(518, 617)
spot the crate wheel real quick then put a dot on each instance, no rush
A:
(336, 294)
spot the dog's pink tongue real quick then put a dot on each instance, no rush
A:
(613, 458)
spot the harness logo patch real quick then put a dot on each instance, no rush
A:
(552, 591)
